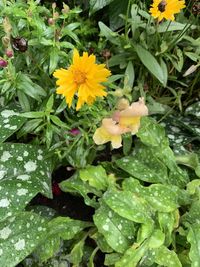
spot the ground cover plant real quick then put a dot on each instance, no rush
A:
(99, 133)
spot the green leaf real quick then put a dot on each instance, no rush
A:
(129, 75)
(157, 239)
(161, 197)
(150, 63)
(194, 110)
(110, 35)
(101, 242)
(29, 127)
(116, 9)
(77, 252)
(28, 87)
(10, 122)
(58, 228)
(33, 114)
(117, 231)
(96, 5)
(54, 57)
(96, 176)
(24, 101)
(151, 133)
(24, 172)
(167, 222)
(165, 71)
(193, 215)
(128, 205)
(75, 185)
(148, 169)
(166, 257)
(20, 234)
(133, 255)
(111, 259)
(58, 122)
(49, 104)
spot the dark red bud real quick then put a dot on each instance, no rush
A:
(3, 63)
(75, 131)
(9, 53)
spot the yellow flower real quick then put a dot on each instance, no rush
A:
(166, 8)
(83, 77)
(109, 131)
(125, 120)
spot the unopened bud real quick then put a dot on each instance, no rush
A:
(191, 69)
(9, 53)
(118, 93)
(5, 41)
(122, 104)
(106, 53)
(3, 63)
(56, 15)
(50, 21)
(75, 131)
(65, 9)
(54, 5)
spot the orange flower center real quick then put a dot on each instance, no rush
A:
(79, 77)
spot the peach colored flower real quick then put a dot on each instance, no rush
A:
(125, 120)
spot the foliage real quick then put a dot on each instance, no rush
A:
(144, 197)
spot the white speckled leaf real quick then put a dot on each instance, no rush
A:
(10, 122)
(128, 205)
(151, 133)
(58, 228)
(194, 109)
(148, 168)
(23, 173)
(19, 236)
(96, 176)
(193, 238)
(75, 185)
(165, 257)
(118, 232)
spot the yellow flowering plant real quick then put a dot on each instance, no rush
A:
(84, 78)
(125, 120)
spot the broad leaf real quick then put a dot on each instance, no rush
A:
(96, 176)
(128, 205)
(193, 238)
(10, 122)
(24, 172)
(150, 63)
(117, 231)
(19, 236)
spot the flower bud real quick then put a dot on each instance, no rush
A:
(9, 53)
(50, 21)
(3, 63)
(118, 93)
(75, 131)
(5, 41)
(65, 9)
(56, 15)
(54, 5)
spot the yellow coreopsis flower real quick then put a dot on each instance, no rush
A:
(83, 77)
(166, 8)
(126, 119)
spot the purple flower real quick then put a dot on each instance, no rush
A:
(75, 131)
(3, 63)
